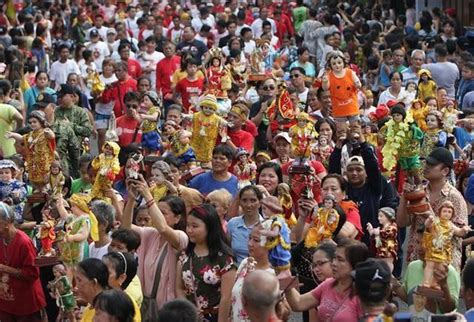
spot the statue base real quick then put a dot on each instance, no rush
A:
(43, 261)
(430, 292)
(37, 197)
(188, 175)
(417, 202)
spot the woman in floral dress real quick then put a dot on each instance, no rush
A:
(206, 270)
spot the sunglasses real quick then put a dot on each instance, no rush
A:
(295, 76)
(268, 88)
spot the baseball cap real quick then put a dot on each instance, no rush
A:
(440, 155)
(94, 33)
(372, 280)
(355, 160)
(369, 271)
(66, 89)
(43, 100)
(111, 31)
(282, 135)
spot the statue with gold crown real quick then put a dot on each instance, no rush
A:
(206, 126)
(218, 80)
(303, 137)
(281, 114)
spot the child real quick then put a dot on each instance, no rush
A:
(276, 238)
(385, 236)
(343, 85)
(426, 85)
(40, 146)
(105, 215)
(12, 191)
(107, 167)
(466, 84)
(221, 200)
(188, 90)
(149, 113)
(385, 69)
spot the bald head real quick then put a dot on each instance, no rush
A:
(260, 291)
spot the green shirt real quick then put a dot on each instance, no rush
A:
(7, 122)
(414, 277)
(78, 120)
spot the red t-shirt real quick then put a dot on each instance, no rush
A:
(189, 90)
(24, 295)
(164, 71)
(242, 139)
(125, 127)
(250, 127)
(134, 68)
(117, 92)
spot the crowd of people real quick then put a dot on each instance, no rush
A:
(235, 161)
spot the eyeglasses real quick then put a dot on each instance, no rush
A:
(295, 76)
(268, 88)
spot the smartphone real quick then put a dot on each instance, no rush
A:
(442, 318)
(16, 84)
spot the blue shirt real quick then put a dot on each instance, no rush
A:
(31, 94)
(239, 234)
(205, 184)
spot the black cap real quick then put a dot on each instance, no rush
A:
(43, 100)
(3, 30)
(370, 271)
(441, 155)
(94, 33)
(66, 89)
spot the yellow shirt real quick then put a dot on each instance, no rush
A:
(89, 313)
(134, 290)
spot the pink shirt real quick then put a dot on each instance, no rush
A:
(148, 255)
(335, 306)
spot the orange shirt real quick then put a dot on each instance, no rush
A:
(343, 95)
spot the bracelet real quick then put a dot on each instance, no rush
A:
(150, 203)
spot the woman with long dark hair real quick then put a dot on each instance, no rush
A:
(206, 270)
(166, 238)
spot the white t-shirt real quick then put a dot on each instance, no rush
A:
(102, 32)
(257, 28)
(101, 108)
(98, 253)
(59, 71)
(150, 60)
(198, 22)
(100, 50)
(249, 47)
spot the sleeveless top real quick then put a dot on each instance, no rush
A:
(343, 95)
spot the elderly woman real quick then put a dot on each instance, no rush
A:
(22, 297)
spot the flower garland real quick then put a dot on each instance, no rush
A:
(395, 136)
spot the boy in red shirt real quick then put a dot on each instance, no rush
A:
(190, 88)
